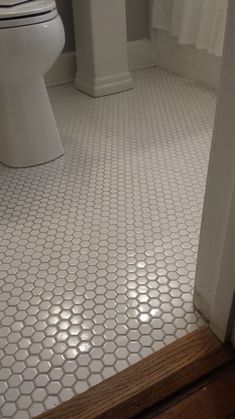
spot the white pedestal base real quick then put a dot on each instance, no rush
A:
(101, 41)
(28, 131)
(103, 86)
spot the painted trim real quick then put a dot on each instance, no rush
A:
(143, 53)
(215, 275)
(186, 60)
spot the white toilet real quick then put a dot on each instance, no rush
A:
(31, 39)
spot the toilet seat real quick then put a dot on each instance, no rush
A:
(22, 13)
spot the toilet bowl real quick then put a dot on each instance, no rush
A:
(31, 39)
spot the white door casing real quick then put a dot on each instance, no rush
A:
(215, 278)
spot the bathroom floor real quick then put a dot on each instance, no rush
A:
(98, 249)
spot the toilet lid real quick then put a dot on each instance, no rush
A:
(14, 9)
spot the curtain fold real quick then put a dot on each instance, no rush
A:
(198, 22)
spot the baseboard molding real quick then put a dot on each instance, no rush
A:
(165, 53)
(103, 86)
(63, 71)
(186, 60)
(141, 54)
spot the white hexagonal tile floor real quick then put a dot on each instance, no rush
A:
(98, 249)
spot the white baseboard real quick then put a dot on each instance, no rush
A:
(186, 60)
(141, 54)
(165, 53)
(63, 71)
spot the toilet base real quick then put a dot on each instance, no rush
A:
(28, 131)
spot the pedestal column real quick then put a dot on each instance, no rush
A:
(101, 43)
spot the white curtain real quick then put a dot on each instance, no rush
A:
(198, 22)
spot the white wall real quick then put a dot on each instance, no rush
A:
(137, 14)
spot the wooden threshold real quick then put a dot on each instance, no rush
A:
(149, 381)
(216, 400)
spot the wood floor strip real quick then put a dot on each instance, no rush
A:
(149, 381)
(214, 401)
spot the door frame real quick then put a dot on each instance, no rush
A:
(215, 276)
